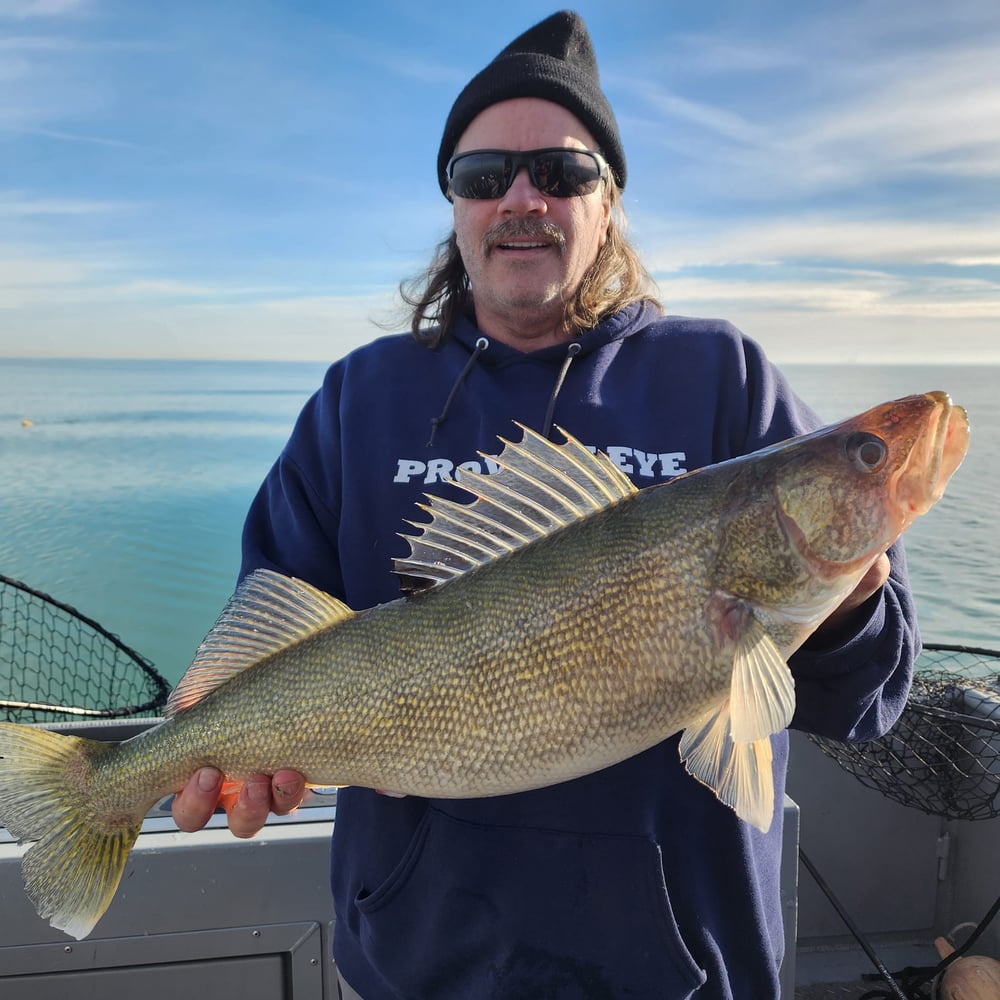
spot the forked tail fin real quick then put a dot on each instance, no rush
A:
(77, 856)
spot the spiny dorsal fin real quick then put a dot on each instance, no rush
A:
(540, 488)
(267, 612)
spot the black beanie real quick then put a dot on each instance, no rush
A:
(555, 61)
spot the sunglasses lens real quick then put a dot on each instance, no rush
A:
(565, 173)
(557, 173)
(480, 175)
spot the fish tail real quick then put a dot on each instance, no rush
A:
(77, 853)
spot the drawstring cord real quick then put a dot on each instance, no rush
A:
(481, 344)
(571, 352)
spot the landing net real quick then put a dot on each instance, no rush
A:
(57, 664)
(943, 755)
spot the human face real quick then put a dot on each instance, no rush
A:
(526, 254)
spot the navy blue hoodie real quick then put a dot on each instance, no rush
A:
(631, 882)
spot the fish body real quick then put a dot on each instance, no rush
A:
(560, 623)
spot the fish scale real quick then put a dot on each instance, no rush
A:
(559, 623)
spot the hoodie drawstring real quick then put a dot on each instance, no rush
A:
(571, 352)
(481, 344)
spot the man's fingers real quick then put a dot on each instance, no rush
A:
(248, 810)
(287, 790)
(247, 803)
(194, 804)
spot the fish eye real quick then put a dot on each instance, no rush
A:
(866, 451)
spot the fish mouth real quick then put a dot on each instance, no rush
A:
(931, 462)
(901, 455)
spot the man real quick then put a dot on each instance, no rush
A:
(635, 881)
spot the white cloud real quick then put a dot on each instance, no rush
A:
(26, 281)
(21, 204)
(857, 296)
(62, 136)
(846, 112)
(924, 112)
(37, 43)
(21, 10)
(673, 244)
(791, 336)
(711, 118)
(309, 328)
(889, 106)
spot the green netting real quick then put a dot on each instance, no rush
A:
(57, 665)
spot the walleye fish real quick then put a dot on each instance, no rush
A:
(559, 623)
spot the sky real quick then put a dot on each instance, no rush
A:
(253, 178)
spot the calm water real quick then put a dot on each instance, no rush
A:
(125, 496)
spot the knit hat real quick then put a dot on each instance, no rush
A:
(553, 60)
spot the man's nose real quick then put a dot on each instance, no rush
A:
(522, 196)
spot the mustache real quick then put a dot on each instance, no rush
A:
(532, 229)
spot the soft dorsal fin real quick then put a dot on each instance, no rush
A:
(267, 613)
(541, 487)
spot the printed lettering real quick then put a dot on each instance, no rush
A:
(631, 461)
(620, 457)
(671, 463)
(407, 468)
(646, 462)
(439, 469)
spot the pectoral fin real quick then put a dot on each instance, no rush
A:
(729, 748)
(739, 773)
(762, 692)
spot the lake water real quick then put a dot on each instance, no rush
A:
(123, 486)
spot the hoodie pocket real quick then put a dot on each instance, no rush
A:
(505, 912)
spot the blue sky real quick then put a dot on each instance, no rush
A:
(253, 178)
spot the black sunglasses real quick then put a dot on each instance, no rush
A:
(556, 172)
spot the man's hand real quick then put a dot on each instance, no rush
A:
(246, 803)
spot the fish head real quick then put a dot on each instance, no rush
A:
(849, 491)
(813, 514)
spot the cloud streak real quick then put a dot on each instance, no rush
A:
(843, 118)
(23, 10)
(685, 243)
(180, 179)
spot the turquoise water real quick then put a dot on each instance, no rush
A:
(125, 496)
(954, 551)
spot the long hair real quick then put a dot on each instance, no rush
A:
(442, 293)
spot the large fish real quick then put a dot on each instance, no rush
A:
(561, 622)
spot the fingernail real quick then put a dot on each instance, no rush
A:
(209, 779)
(258, 792)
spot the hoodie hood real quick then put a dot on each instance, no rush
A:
(494, 354)
(618, 326)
